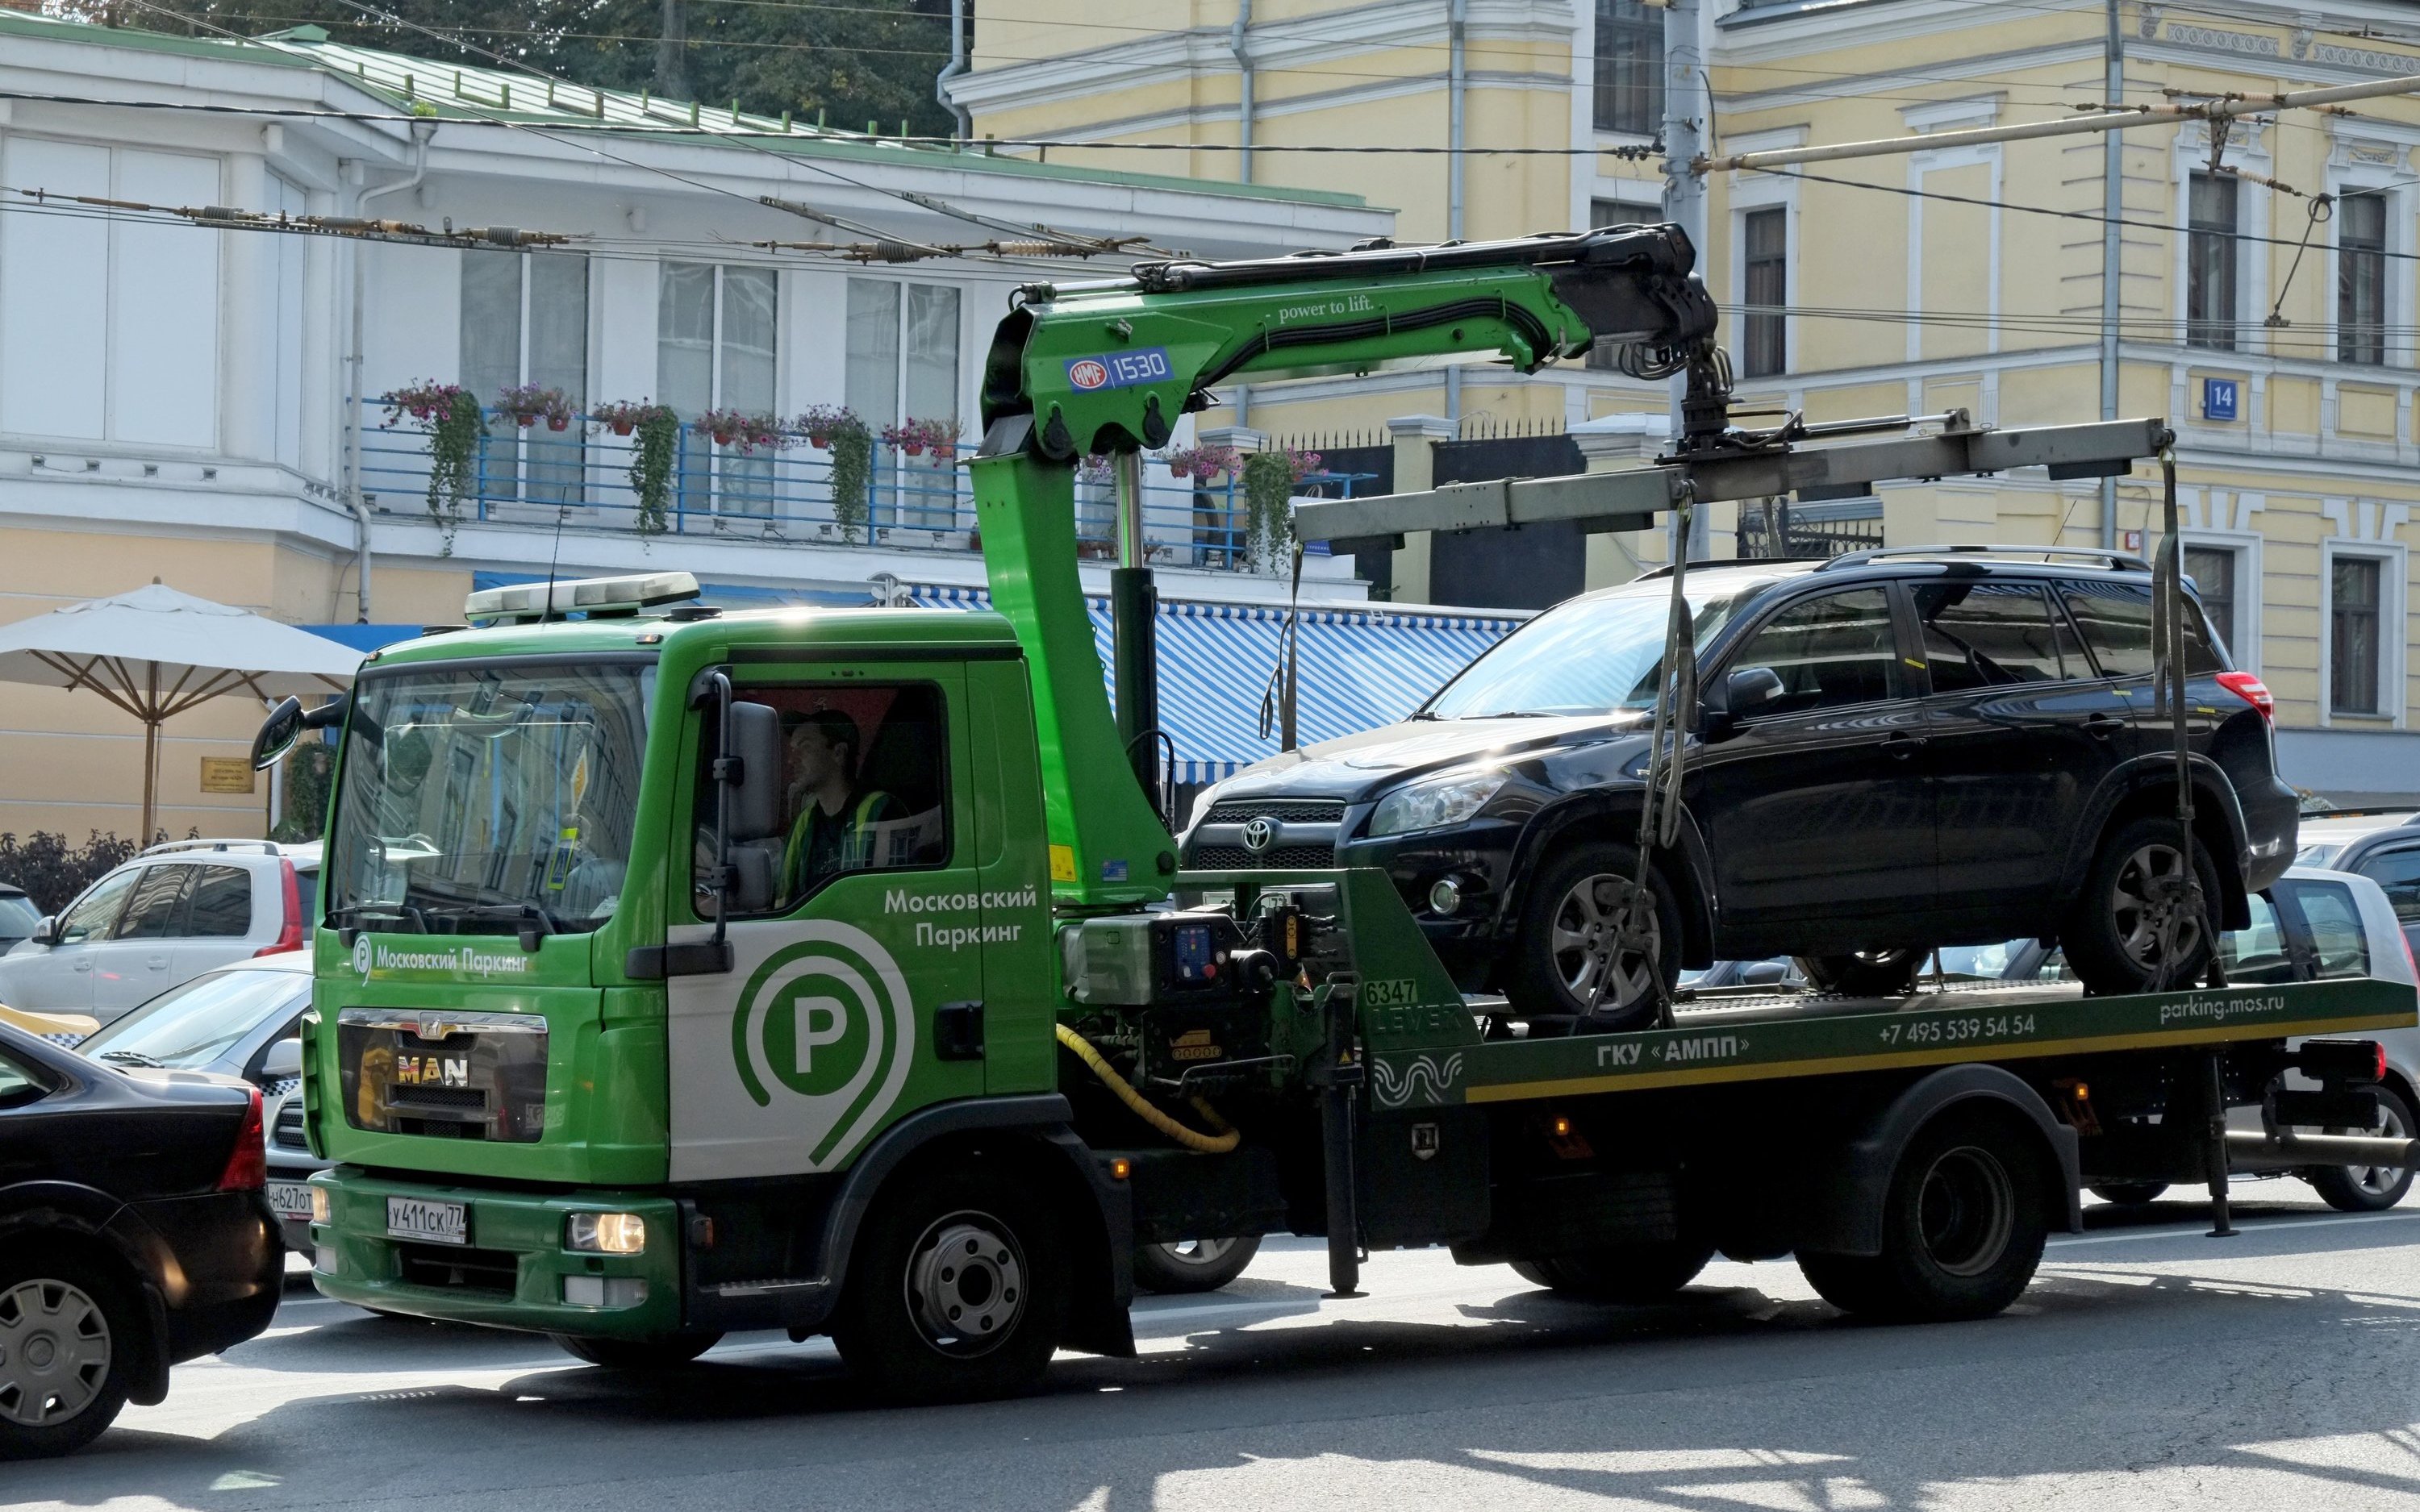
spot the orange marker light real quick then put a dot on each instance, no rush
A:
(1121, 1169)
(1563, 1127)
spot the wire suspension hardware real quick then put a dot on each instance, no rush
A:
(1659, 809)
(225, 217)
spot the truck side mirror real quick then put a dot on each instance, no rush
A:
(277, 734)
(756, 781)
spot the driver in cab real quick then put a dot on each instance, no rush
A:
(833, 820)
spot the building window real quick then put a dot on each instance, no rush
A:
(525, 321)
(2210, 262)
(2354, 646)
(2361, 279)
(2212, 568)
(1764, 344)
(1629, 67)
(1602, 213)
(902, 364)
(714, 344)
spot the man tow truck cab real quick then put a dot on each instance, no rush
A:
(681, 972)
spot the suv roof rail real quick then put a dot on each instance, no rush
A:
(2109, 561)
(1732, 562)
(266, 847)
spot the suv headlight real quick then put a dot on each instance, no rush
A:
(1434, 804)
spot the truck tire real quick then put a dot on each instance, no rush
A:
(1962, 1228)
(71, 1334)
(958, 1291)
(1568, 921)
(2109, 940)
(664, 1351)
(1193, 1265)
(1866, 974)
(2370, 1188)
(1633, 1274)
(2130, 1193)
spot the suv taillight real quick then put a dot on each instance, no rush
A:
(2251, 690)
(289, 936)
(247, 1168)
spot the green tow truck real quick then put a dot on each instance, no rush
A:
(682, 972)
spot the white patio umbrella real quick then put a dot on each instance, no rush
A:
(155, 652)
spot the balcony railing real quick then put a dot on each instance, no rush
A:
(527, 475)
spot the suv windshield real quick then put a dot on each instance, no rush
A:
(479, 800)
(1592, 655)
(190, 1027)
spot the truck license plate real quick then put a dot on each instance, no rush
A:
(445, 1223)
(291, 1199)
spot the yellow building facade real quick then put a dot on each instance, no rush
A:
(2280, 342)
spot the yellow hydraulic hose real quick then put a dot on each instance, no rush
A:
(1217, 1144)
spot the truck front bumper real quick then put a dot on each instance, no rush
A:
(513, 1268)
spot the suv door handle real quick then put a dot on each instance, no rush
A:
(1903, 746)
(2101, 726)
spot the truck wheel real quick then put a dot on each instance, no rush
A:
(1962, 1228)
(1564, 946)
(664, 1351)
(2131, 1194)
(2112, 938)
(1866, 974)
(1194, 1265)
(2370, 1188)
(1631, 1274)
(957, 1291)
(70, 1331)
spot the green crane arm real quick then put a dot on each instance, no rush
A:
(1107, 367)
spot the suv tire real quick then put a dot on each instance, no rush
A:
(70, 1332)
(2109, 938)
(1568, 919)
(2370, 1188)
(1193, 1264)
(896, 1327)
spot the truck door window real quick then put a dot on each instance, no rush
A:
(1829, 652)
(864, 785)
(1983, 634)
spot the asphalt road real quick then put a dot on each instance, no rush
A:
(2148, 1368)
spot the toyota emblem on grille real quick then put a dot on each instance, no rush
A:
(1259, 836)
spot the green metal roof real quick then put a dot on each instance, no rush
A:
(468, 93)
(940, 629)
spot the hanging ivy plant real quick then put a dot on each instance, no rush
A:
(655, 447)
(456, 428)
(852, 472)
(1269, 479)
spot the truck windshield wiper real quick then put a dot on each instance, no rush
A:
(362, 915)
(535, 922)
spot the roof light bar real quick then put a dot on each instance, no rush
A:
(534, 601)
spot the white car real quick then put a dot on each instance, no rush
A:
(161, 920)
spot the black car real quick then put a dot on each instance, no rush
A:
(1894, 750)
(134, 1235)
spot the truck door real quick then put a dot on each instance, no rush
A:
(1021, 968)
(867, 926)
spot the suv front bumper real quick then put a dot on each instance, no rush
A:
(514, 1271)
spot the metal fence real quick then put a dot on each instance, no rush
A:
(530, 476)
(1773, 530)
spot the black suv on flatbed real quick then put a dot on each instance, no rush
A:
(1895, 750)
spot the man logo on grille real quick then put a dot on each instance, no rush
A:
(826, 1027)
(1259, 836)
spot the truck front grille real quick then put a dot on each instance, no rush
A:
(456, 1269)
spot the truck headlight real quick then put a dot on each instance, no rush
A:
(1433, 804)
(606, 1233)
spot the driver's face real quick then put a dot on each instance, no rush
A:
(813, 761)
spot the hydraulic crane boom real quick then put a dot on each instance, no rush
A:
(1106, 368)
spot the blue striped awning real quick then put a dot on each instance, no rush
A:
(1360, 669)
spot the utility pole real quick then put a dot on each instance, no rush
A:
(2112, 205)
(1686, 95)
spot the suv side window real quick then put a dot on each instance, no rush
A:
(2340, 945)
(1978, 633)
(158, 898)
(92, 913)
(2257, 954)
(1829, 652)
(2397, 872)
(864, 785)
(220, 904)
(2116, 619)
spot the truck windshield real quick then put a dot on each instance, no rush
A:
(1592, 655)
(487, 800)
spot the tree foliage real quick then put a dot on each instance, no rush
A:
(851, 61)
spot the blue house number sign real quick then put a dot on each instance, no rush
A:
(2219, 397)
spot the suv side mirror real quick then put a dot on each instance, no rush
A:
(283, 1059)
(1739, 694)
(47, 931)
